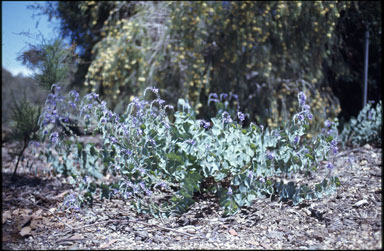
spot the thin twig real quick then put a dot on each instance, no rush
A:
(69, 239)
(140, 222)
(57, 217)
(360, 149)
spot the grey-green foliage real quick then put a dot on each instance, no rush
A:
(366, 128)
(148, 154)
(251, 160)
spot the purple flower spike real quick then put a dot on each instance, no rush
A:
(250, 174)
(190, 141)
(54, 137)
(302, 98)
(223, 96)
(213, 95)
(229, 191)
(204, 124)
(327, 123)
(296, 140)
(241, 116)
(226, 117)
(153, 89)
(330, 166)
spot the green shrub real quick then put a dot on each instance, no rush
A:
(24, 125)
(160, 165)
(365, 129)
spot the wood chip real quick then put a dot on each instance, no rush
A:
(233, 232)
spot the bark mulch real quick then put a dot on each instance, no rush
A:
(350, 218)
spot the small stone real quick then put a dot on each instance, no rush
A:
(306, 211)
(367, 146)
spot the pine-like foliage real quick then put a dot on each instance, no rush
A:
(24, 125)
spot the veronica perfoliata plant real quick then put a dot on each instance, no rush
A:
(366, 128)
(161, 165)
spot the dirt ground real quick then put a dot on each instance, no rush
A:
(351, 218)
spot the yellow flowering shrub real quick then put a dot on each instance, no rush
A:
(266, 52)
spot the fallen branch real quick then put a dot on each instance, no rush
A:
(140, 222)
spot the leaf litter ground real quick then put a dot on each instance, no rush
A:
(351, 218)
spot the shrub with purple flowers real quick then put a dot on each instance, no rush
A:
(150, 156)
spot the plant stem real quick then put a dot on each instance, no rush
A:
(18, 160)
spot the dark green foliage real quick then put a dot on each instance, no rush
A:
(36, 96)
(24, 125)
(24, 118)
(82, 22)
(346, 68)
(51, 59)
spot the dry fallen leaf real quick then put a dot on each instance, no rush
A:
(254, 243)
(233, 232)
(26, 221)
(37, 213)
(25, 231)
(34, 223)
(26, 211)
(46, 221)
(77, 236)
(105, 245)
(16, 211)
(6, 216)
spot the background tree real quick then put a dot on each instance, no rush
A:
(82, 23)
(347, 70)
(266, 52)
